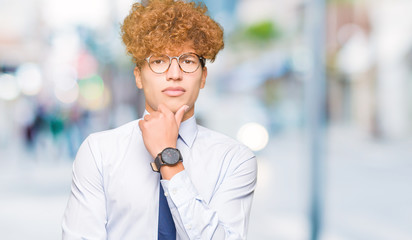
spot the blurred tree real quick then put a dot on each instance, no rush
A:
(263, 31)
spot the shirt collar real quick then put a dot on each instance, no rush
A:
(187, 130)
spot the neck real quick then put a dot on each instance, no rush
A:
(189, 114)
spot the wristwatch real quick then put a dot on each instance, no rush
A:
(169, 157)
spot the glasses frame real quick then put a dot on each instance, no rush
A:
(201, 59)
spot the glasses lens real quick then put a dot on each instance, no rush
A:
(189, 62)
(159, 63)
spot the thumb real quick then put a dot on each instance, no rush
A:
(180, 113)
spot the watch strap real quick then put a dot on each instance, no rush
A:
(157, 163)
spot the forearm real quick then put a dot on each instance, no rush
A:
(196, 219)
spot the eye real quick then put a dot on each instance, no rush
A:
(187, 61)
(157, 61)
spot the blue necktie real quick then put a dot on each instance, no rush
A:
(166, 229)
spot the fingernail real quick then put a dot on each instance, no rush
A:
(186, 108)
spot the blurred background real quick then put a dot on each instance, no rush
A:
(64, 74)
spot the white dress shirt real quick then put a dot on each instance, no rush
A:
(115, 193)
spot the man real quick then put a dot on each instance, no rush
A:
(163, 175)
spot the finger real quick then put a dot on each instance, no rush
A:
(146, 117)
(165, 110)
(180, 113)
(141, 124)
(162, 108)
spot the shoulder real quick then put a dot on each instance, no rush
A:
(233, 157)
(110, 138)
(106, 146)
(119, 132)
(215, 140)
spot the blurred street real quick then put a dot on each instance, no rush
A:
(367, 189)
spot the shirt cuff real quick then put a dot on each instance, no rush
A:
(165, 185)
(179, 190)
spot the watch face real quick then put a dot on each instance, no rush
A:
(170, 156)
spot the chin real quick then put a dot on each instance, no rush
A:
(173, 107)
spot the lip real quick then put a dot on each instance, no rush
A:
(174, 91)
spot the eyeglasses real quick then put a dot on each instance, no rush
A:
(188, 62)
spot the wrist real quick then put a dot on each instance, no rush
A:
(168, 172)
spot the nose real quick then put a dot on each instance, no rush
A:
(174, 72)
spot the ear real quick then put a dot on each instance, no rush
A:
(138, 78)
(204, 75)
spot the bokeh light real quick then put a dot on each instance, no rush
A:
(29, 78)
(91, 88)
(93, 94)
(87, 65)
(253, 135)
(97, 103)
(64, 77)
(67, 96)
(9, 89)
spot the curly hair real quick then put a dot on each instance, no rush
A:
(154, 26)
